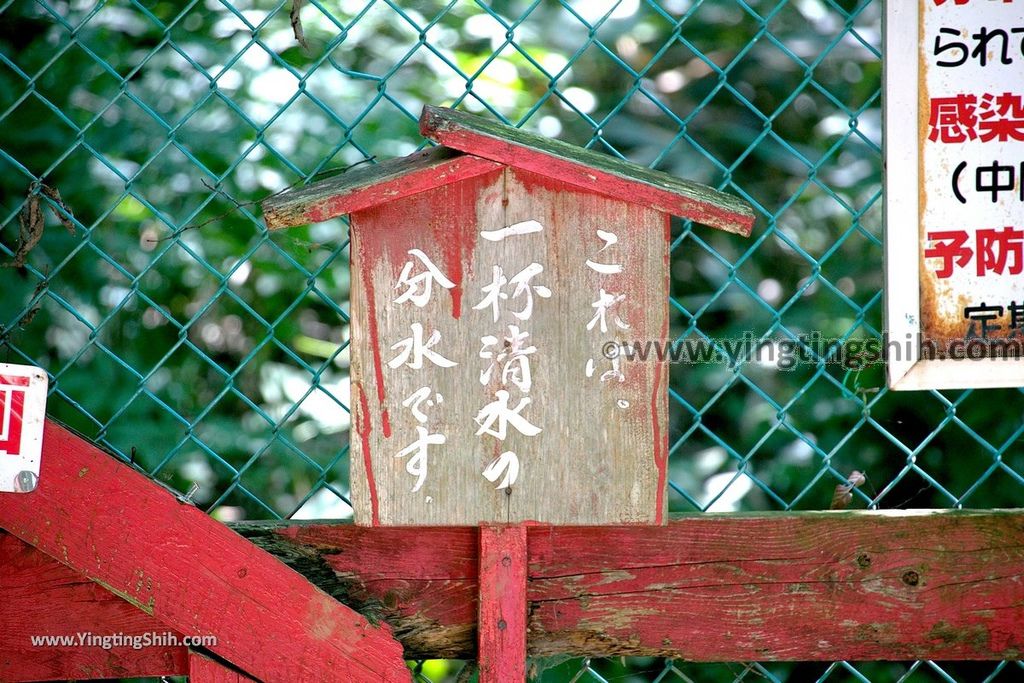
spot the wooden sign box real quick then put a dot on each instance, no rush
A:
(494, 281)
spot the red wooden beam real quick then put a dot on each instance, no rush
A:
(502, 623)
(202, 669)
(801, 586)
(40, 597)
(120, 529)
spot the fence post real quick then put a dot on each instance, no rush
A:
(501, 641)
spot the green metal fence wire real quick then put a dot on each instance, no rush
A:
(184, 337)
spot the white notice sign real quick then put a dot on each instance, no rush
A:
(954, 97)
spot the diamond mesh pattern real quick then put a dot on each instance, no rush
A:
(183, 336)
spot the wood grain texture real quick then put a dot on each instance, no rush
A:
(600, 457)
(586, 169)
(202, 669)
(501, 650)
(39, 596)
(123, 531)
(368, 186)
(827, 586)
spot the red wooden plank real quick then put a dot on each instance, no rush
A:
(202, 669)
(586, 169)
(801, 586)
(372, 185)
(137, 539)
(501, 652)
(41, 597)
(426, 577)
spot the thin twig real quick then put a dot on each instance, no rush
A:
(467, 671)
(296, 20)
(41, 286)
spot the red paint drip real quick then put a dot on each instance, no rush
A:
(659, 455)
(660, 447)
(453, 263)
(455, 231)
(378, 369)
(364, 436)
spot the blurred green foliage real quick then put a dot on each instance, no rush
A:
(182, 335)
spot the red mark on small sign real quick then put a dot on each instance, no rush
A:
(12, 408)
(22, 413)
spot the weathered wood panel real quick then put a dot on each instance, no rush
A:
(501, 650)
(373, 184)
(588, 439)
(120, 529)
(586, 169)
(806, 586)
(41, 597)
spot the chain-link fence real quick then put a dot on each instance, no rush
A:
(181, 335)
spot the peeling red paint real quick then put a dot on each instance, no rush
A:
(706, 212)
(660, 443)
(363, 427)
(758, 585)
(371, 318)
(177, 564)
(390, 181)
(660, 461)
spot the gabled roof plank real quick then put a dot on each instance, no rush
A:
(368, 186)
(586, 169)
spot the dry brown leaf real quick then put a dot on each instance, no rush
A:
(54, 196)
(31, 222)
(843, 494)
(30, 230)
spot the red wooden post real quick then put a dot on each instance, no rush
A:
(202, 669)
(502, 621)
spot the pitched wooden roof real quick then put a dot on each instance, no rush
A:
(586, 169)
(367, 186)
(473, 145)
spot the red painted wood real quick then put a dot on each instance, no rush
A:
(370, 186)
(587, 178)
(556, 160)
(501, 650)
(41, 597)
(803, 586)
(426, 577)
(454, 170)
(202, 669)
(115, 526)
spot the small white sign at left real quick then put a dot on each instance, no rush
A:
(22, 415)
